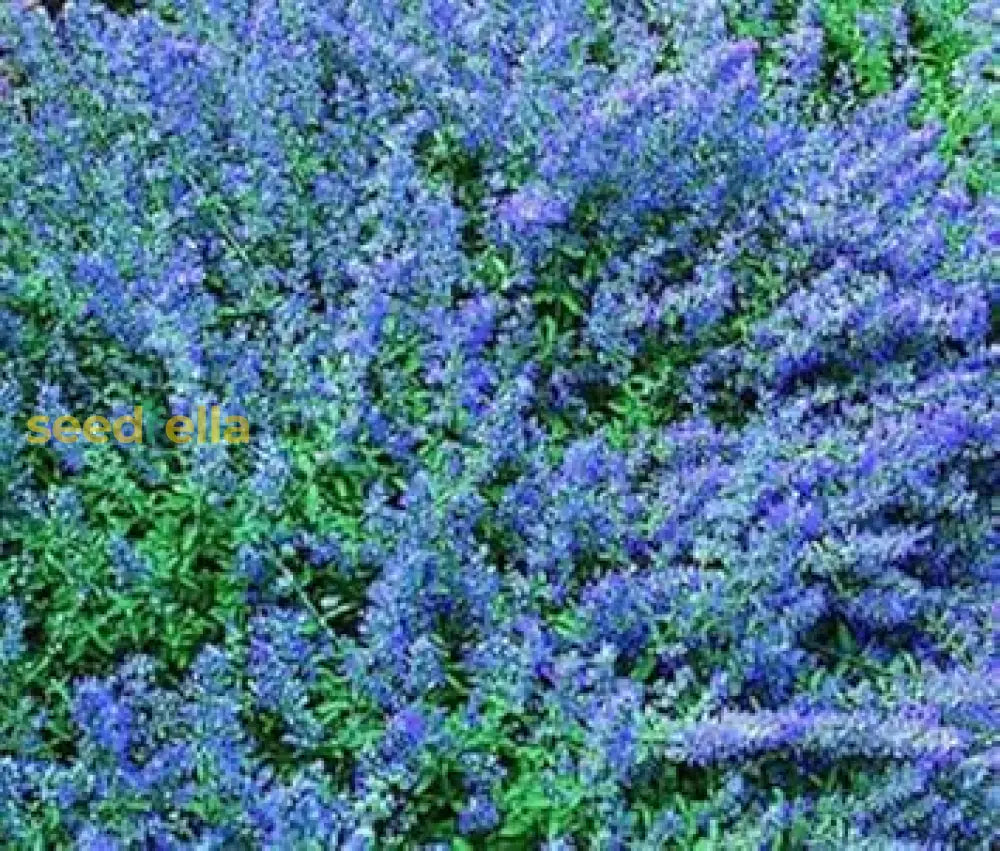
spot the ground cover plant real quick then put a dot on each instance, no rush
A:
(621, 379)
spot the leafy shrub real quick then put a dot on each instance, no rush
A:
(622, 436)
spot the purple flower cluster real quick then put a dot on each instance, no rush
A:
(624, 434)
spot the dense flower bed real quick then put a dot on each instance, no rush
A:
(622, 388)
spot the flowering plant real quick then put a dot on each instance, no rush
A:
(622, 386)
